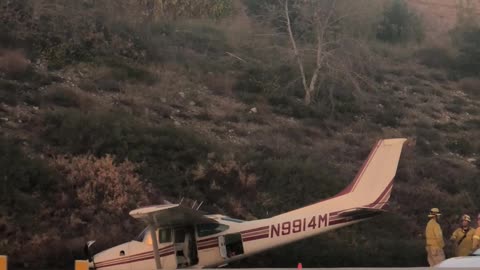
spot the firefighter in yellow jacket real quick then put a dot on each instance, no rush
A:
(463, 237)
(476, 236)
(434, 239)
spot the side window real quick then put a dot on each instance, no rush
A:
(210, 228)
(165, 236)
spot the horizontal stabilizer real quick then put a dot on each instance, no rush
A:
(355, 212)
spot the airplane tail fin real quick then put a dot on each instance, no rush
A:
(373, 184)
(364, 198)
(369, 192)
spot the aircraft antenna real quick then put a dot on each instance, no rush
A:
(194, 203)
(180, 203)
(198, 207)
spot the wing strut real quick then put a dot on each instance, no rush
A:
(155, 247)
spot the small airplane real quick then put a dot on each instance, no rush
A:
(471, 261)
(178, 236)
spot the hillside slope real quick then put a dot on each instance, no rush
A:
(101, 116)
(441, 16)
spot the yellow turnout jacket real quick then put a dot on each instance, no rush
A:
(476, 239)
(463, 240)
(433, 235)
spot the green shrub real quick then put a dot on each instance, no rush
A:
(345, 106)
(168, 151)
(472, 124)
(104, 83)
(22, 87)
(65, 97)
(9, 92)
(400, 24)
(447, 176)
(181, 43)
(123, 70)
(429, 140)
(213, 9)
(438, 76)
(109, 85)
(293, 180)
(22, 176)
(468, 60)
(260, 8)
(390, 117)
(66, 53)
(461, 146)
(294, 107)
(436, 57)
(448, 127)
(458, 105)
(454, 108)
(271, 81)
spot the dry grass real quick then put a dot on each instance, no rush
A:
(471, 86)
(436, 57)
(13, 62)
(64, 96)
(220, 84)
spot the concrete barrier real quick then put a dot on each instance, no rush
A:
(80, 265)
(3, 262)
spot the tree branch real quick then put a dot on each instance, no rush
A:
(294, 46)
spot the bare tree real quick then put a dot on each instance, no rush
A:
(320, 25)
(324, 43)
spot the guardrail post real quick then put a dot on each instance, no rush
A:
(80, 265)
(3, 262)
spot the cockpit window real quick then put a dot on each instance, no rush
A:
(210, 228)
(141, 236)
(164, 236)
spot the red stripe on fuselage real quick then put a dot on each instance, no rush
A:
(256, 229)
(206, 240)
(261, 236)
(208, 246)
(132, 260)
(255, 233)
(134, 256)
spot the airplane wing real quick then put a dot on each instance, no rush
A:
(168, 215)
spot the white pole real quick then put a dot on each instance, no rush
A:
(155, 247)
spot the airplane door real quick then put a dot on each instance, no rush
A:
(168, 259)
(223, 248)
(169, 262)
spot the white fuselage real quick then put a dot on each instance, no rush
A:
(256, 236)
